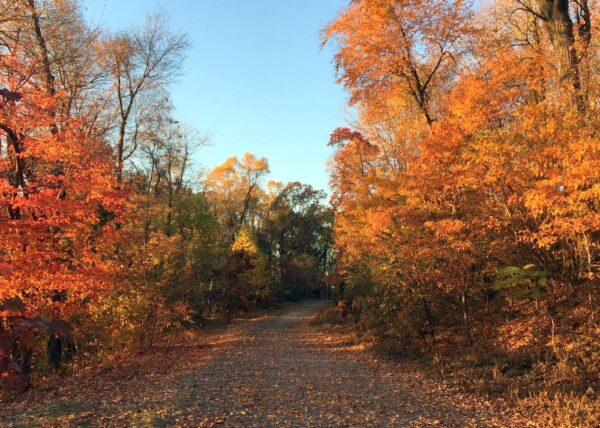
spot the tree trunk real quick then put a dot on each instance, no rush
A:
(465, 313)
(48, 76)
(18, 178)
(429, 319)
(120, 150)
(559, 26)
(54, 351)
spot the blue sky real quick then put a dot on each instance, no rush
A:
(256, 78)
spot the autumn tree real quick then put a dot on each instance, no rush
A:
(233, 188)
(569, 29)
(393, 48)
(55, 169)
(467, 155)
(56, 186)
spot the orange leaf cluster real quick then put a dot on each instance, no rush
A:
(59, 200)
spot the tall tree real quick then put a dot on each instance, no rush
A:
(55, 184)
(138, 62)
(400, 47)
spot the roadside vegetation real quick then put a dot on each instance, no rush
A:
(466, 194)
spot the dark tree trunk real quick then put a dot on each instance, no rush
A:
(559, 26)
(120, 150)
(54, 351)
(466, 319)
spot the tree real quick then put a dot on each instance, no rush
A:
(56, 185)
(427, 217)
(233, 188)
(390, 47)
(297, 236)
(556, 18)
(60, 47)
(138, 62)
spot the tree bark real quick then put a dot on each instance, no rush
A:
(466, 318)
(559, 26)
(41, 41)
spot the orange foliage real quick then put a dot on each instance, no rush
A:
(59, 200)
(504, 172)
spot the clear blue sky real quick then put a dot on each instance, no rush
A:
(256, 78)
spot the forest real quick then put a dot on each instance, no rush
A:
(467, 193)
(110, 237)
(462, 228)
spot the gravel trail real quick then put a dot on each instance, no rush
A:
(274, 371)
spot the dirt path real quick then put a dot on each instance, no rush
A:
(273, 371)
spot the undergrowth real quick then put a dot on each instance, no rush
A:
(553, 384)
